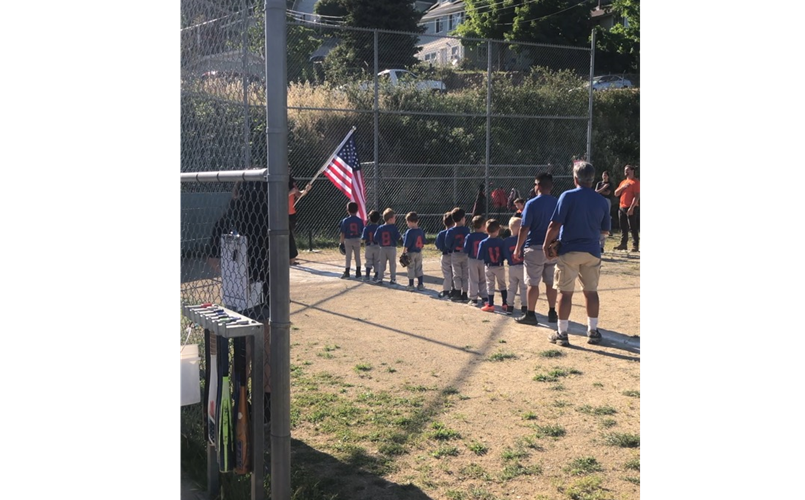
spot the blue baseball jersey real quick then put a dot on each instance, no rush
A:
(352, 226)
(536, 217)
(440, 245)
(454, 239)
(414, 240)
(509, 244)
(387, 235)
(583, 214)
(471, 243)
(369, 234)
(492, 251)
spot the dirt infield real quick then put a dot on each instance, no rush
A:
(399, 394)
(415, 339)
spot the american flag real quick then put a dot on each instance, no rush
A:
(344, 170)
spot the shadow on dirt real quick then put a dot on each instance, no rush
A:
(317, 475)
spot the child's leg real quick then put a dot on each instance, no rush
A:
(464, 274)
(475, 274)
(512, 288)
(447, 272)
(393, 262)
(455, 267)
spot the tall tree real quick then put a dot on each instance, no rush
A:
(560, 22)
(355, 52)
(488, 19)
(618, 50)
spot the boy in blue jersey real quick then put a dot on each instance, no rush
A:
(447, 269)
(387, 237)
(371, 248)
(350, 237)
(454, 240)
(475, 264)
(413, 241)
(492, 251)
(516, 281)
(580, 218)
(538, 267)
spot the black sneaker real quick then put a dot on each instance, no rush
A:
(559, 338)
(593, 337)
(527, 319)
(444, 294)
(345, 275)
(622, 246)
(508, 309)
(455, 296)
(358, 273)
(464, 296)
(552, 317)
(524, 309)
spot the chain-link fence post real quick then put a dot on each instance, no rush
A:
(488, 126)
(590, 98)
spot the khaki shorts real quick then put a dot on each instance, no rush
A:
(582, 265)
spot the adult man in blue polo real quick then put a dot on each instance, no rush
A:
(580, 218)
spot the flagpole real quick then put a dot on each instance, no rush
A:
(326, 163)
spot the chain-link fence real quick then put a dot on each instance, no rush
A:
(435, 117)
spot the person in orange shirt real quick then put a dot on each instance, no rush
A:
(294, 194)
(628, 210)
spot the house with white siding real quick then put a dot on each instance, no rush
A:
(441, 19)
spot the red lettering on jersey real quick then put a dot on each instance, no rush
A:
(386, 239)
(515, 258)
(459, 242)
(419, 243)
(494, 255)
(353, 228)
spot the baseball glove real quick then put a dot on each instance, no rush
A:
(553, 249)
(342, 249)
(405, 260)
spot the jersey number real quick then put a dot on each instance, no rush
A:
(419, 243)
(353, 228)
(459, 242)
(386, 239)
(494, 255)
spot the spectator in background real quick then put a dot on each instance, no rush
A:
(519, 206)
(293, 195)
(499, 199)
(604, 188)
(628, 209)
(479, 207)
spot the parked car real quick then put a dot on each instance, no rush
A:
(229, 76)
(610, 82)
(403, 78)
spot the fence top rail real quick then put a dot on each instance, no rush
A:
(225, 176)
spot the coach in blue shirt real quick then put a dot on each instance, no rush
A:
(579, 220)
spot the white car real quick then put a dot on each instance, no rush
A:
(610, 82)
(403, 78)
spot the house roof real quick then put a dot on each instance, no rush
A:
(437, 43)
(603, 8)
(443, 9)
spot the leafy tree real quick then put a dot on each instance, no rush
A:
(355, 52)
(618, 50)
(301, 43)
(333, 8)
(560, 22)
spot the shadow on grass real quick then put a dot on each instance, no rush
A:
(314, 475)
